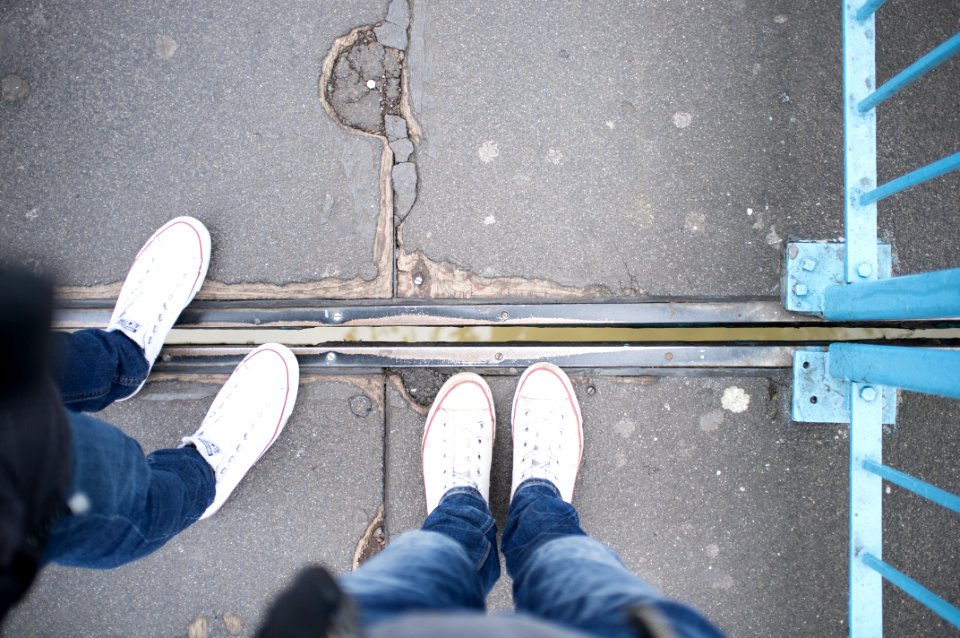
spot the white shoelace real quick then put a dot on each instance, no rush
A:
(541, 454)
(463, 467)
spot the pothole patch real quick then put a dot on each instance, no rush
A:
(365, 83)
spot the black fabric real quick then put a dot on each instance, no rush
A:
(34, 434)
(26, 311)
(313, 607)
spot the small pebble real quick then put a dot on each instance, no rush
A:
(234, 623)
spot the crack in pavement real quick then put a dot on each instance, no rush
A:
(348, 97)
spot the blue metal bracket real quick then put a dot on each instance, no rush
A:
(819, 397)
(812, 267)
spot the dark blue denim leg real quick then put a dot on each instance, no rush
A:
(450, 564)
(564, 576)
(125, 505)
(537, 515)
(464, 516)
(94, 368)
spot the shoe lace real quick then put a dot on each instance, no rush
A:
(541, 455)
(463, 465)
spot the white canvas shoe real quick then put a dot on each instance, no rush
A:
(247, 416)
(457, 446)
(165, 276)
(547, 429)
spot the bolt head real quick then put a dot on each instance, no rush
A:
(800, 290)
(338, 316)
(868, 393)
(331, 356)
(417, 280)
(808, 265)
(864, 270)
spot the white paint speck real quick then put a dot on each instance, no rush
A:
(749, 211)
(681, 119)
(371, 84)
(610, 124)
(164, 47)
(554, 156)
(735, 399)
(780, 18)
(489, 219)
(488, 151)
(32, 214)
(887, 489)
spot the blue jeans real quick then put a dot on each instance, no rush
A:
(124, 505)
(559, 573)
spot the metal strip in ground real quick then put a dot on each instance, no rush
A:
(293, 313)
(624, 360)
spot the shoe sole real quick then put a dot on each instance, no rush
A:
(445, 389)
(203, 237)
(571, 395)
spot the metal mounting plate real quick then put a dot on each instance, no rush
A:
(821, 398)
(812, 267)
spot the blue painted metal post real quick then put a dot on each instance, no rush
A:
(932, 295)
(859, 144)
(924, 370)
(865, 610)
(901, 80)
(919, 176)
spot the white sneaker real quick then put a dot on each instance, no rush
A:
(547, 429)
(165, 276)
(247, 416)
(457, 445)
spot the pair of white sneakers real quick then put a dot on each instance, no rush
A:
(251, 410)
(547, 426)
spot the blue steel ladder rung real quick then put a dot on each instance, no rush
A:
(913, 178)
(917, 591)
(869, 8)
(913, 484)
(909, 75)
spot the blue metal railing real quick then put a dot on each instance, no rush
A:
(861, 288)
(868, 369)
(929, 295)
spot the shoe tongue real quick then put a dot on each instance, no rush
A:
(209, 447)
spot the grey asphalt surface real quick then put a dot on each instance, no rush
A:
(139, 113)
(667, 152)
